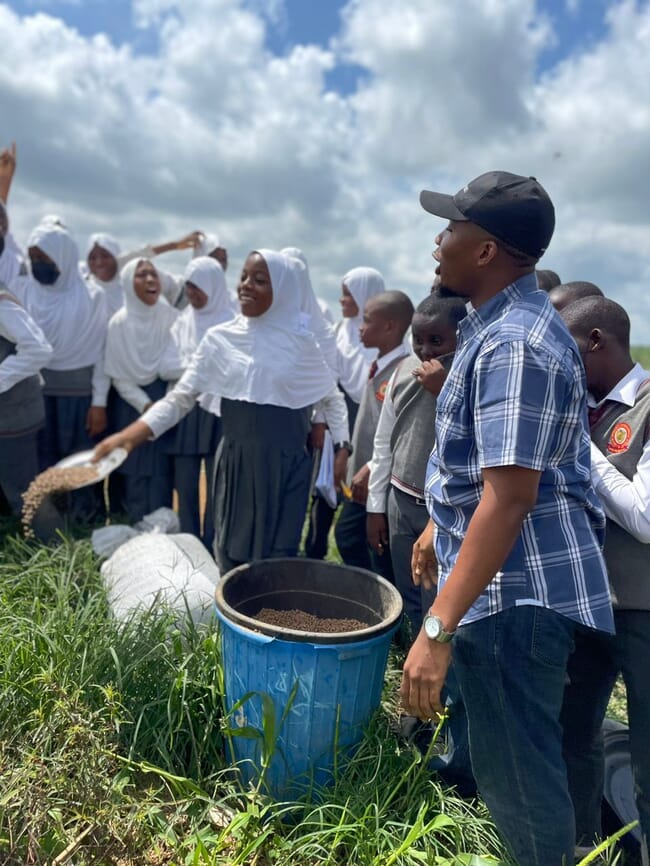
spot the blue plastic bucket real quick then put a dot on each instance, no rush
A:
(301, 700)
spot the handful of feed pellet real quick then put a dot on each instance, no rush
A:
(54, 480)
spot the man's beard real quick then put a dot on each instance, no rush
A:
(443, 291)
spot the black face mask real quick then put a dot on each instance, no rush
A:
(45, 273)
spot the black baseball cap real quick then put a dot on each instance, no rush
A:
(515, 209)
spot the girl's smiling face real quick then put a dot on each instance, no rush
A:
(255, 291)
(146, 283)
(102, 264)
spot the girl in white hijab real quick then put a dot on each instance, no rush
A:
(105, 260)
(103, 263)
(269, 372)
(73, 318)
(196, 436)
(357, 287)
(353, 361)
(139, 335)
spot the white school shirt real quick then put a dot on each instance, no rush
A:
(625, 501)
(32, 349)
(177, 403)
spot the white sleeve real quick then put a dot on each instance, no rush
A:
(174, 405)
(626, 502)
(382, 455)
(335, 413)
(171, 366)
(32, 349)
(146, 252)
(132, 394)
(101, 383)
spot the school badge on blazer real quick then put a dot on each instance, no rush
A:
(619, 439)
(380, 393)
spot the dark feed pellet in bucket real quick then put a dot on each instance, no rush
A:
(300, 620)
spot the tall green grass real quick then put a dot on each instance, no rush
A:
(113, 744)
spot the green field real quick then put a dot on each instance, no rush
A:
(642, 355)
(115, 749)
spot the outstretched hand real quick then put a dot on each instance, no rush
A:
(192, 240)
(117, 440)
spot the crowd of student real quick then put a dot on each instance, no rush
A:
(189, 375)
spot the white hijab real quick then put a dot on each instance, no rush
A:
(12, 261)
(189, 328)
(269, 359)
(138, 335)
(72, 314)
(208, 244)
(111, 288)
(363, 284)
(12, 258)
(312, 314)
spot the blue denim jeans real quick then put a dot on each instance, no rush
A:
(511, 668)
(593, 669)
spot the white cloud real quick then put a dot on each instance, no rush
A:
(212, 131)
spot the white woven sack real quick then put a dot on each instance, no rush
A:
(174, 571)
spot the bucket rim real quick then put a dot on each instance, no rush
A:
(388, 624)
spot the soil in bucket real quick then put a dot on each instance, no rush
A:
(300, 620)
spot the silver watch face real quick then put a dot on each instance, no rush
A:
(432, 626)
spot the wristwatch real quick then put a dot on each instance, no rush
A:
(435, 630)
(347, 445)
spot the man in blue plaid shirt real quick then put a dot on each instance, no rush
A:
(518, 528)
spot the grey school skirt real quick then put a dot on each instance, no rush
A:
(262, 478)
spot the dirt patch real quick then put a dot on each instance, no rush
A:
(299, 620)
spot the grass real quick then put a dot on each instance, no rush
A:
(642, 355)
(113, 737)
(113, 742)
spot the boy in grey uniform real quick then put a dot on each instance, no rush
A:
(619, 419)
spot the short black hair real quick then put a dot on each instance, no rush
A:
(568, 293)
(596, 311)
(394, 305)
(449, 307)
(547, 279)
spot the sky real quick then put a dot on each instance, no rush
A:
(316, 123)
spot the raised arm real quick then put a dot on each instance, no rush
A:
(7, 170)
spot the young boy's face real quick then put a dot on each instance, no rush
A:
(373, 328)
(433, 336)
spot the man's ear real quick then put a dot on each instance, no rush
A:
(486, 252)
(596, 340)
